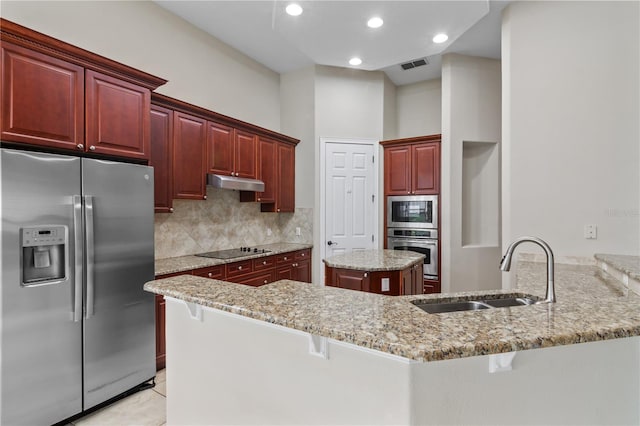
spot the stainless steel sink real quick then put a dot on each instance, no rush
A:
(438, 307)
(465, 305)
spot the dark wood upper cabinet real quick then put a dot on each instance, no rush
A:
(268, 149)
(425, 168)
(286, 189)
(412, 166)
(161, 155)
(208, 142)
(231, 152)
(42, 99)
(267, 164)
(117, 117)
(246, 147)
(220, 148)
(397, 170)
(62, 97)
(285, 178)
(189, 136)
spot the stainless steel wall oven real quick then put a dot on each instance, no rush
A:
(423, 241)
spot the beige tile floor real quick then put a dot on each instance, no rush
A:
(145, 408)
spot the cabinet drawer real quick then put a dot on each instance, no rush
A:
(285, 258)
(302, 254)
(263, 263)
(239, 268)
(256, 279)
(213, 272)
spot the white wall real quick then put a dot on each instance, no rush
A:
(571, 125)
(470, 113)
(201, 70)
(419, 108)
(297, 96)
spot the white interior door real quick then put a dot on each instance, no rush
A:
(350, 201)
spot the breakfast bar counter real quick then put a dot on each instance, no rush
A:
(399, 364)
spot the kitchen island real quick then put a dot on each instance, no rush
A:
(291, 352)
(390, 272)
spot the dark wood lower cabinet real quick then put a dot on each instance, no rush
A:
(254, 272)
(391, 283)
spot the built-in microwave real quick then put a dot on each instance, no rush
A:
(412, 211)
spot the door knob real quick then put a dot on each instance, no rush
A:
(331, 243)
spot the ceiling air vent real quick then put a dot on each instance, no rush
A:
(413, 64)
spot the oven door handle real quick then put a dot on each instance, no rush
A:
(426, 241)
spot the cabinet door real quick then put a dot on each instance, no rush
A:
(425, 176)
(302, 271)
(284, 273)
(161, 147)
(117, 117)
(267, 170)
(397, 170)
(285, 194)
(220, 149)
(189, 134)
(42, 99)
(352, 280)
(246, 148)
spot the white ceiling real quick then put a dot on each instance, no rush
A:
(331, 32)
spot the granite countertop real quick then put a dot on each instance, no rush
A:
(627, 264)
(375, 260)
(185, 263)
(591, 306)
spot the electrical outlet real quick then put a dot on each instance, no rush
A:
(298, 231)
(590, 232)
(385, 284)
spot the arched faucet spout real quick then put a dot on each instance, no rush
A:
(505, 263)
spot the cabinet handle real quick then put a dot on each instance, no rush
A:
(302, 255)
(366, 274)
(286, 258)
(259, 199)
(265, 281)
(204, 197)
(171, 210)
(239, 268)
(210, 274)
(92, 148)
(264, 262)
(80, 146)
(278, 209)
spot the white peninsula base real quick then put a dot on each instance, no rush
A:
(224, 368)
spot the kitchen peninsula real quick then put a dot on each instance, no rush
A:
(290, 352)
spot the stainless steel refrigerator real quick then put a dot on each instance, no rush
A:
(76, 328)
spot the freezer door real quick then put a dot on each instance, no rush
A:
(41, 344)
(119, 328)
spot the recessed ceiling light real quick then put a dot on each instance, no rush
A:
(355, 61)
(440, 38)
(294, 9)
(375, 22)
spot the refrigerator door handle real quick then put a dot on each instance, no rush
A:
(77, 258)
(88, 219)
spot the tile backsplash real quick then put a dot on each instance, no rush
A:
(222, 222)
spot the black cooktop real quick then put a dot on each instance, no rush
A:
(232, 253)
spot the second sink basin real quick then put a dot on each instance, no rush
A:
(437, 307)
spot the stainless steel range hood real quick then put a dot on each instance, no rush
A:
(237, 183)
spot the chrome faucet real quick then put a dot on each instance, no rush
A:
(505, 264)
